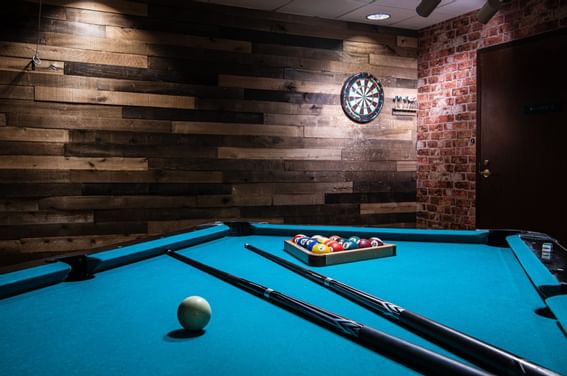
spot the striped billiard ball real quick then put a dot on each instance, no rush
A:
(376, 242)
(349, 245)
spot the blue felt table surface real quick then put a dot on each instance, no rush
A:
(123, 321)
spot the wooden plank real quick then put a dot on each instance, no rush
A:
(16, 92)
(282, 176)
(388, 208)
(28, 8)
(166, 189)
(44, 217)
(252, 106)
(116, 202)
(53, 94)
(65, 244)
(31, 148)
(262, 194)
(166, 214)
(361, 133)
(23, 119)
(71, 229)
(111, 6)
(262, 189)
(406, 41)
(299, 199)
(291, 97)
(393, 61)
(216, 115)
(336, 211)
(49, 24)
(303, 52)
(188, 127)
(213, 201)
(25, 189)
(369, 197)
(197, 61)
(340, 166)
(366, 48)
(164, 227)
(124, 33)
(152, 176)
(121, 45)
(35, 176)
(379, 154)
(2, 119)
(54, 110)
(142, 138)
(22, 64)
(25, 50)
(375, 220)
(406, 165)
(264, 83)
(264, 153)
(399, 183)
(72, 163)
(33, 134)
(147, 151)
(18, 205)
(179, 74)
(221, 165)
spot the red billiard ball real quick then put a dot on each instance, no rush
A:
(334, 237)
(336, 247)
(364, 243)
(296, 237)
(376, 242)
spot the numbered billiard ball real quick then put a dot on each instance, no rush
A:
(349, 245)
(297, 237)
(334, 237)
(336, 247)
(310, 244)
(355, 239)
(298, 240)
(194, 313)
(364, 243)
(320, 249)
(376, 242)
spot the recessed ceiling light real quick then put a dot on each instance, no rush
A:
(378, 16)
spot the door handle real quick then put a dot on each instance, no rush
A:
(486, 171)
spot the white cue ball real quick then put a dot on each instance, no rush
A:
(194, 313)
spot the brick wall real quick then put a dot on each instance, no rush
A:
(446, 134)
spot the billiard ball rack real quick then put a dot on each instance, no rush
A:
(341, 257)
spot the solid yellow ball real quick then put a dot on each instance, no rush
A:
(194, 313)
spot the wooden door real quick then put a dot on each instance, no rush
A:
(522, 135)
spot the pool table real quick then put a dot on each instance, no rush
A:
(113, 312)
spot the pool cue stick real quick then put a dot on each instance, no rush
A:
(483, 354)
(414, 356)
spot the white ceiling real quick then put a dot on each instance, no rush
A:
(402, 11)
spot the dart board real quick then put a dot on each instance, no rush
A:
(362, 97)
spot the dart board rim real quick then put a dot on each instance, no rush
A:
(346, 103)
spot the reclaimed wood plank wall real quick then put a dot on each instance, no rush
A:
(148, 117)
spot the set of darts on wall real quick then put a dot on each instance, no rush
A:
(405, 103)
